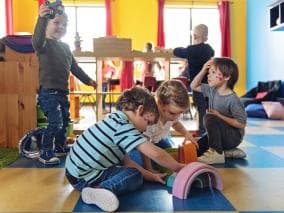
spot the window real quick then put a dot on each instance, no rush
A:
(88, 21)
(179, 35)
(2, 19)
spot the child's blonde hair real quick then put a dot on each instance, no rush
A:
(173, 92)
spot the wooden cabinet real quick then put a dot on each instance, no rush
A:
(18, 85)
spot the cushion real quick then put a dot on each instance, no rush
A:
(274, 110)
(260, 95)
(19, 43)
(255, 110)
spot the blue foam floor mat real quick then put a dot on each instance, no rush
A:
(157, 197)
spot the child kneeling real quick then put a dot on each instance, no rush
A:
(225, 119)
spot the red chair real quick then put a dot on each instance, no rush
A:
(150, 83)
(184, 80)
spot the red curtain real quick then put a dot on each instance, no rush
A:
(9, 17)
(126, 76)
(161, 33)
(224, 10)
(108, 18)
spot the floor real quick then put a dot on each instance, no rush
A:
(251, 185)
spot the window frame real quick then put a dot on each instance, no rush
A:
(191, 25)
(76, 27)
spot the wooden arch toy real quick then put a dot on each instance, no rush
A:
(188, 174)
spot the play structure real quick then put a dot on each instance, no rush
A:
(188, 175)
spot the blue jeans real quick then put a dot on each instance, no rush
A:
(55, 105)
(135, 155)
(118, 179)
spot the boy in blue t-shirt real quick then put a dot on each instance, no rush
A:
(98, 163)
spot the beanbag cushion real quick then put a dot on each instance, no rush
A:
(260, 95)
(255, 110)
(274, 110)
(19, 43)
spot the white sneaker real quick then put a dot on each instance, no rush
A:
(212, 157)
(103, 198)
(235, 153)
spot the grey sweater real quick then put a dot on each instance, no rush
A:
(55, 60)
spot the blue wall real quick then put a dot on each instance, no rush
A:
(265, 48)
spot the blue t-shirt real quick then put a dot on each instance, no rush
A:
(102, 146)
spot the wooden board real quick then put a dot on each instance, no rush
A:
(12, 121)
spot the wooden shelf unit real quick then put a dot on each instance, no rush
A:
(126, 56)
(18, 90)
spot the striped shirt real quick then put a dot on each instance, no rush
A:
(101, 146)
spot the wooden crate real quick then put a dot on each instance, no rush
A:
(3, 119)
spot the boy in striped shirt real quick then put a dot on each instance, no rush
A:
(98, 164)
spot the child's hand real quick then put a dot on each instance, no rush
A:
(93, 84)
(189, 137)
(180, 166)
(213, 112)
(43, 10)
(156, 177)
(207, 65)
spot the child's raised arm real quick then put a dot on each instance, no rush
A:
(196, 82)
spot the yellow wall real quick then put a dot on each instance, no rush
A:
(24, 15)
(238, 41)
(137, 19)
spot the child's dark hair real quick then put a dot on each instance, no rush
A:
(132, 98)
(173, 92)
(228, 68)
